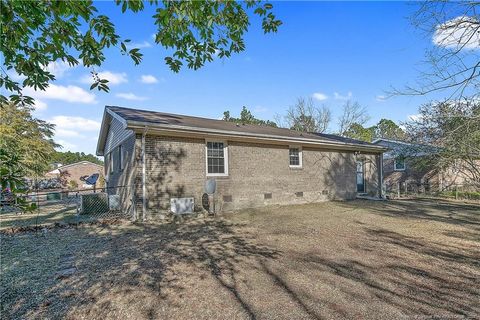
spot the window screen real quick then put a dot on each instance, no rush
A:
(215, 157)
(295, 157)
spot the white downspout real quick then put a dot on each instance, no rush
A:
(144, 177)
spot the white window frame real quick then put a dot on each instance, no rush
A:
(399, 169)
(225, 156)
(300, 156)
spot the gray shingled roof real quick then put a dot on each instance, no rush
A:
(161, 118)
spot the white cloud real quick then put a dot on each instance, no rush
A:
(72, 131)
(67, 146)
(40, 105)
(319, 96)
(67, 133)
(458, 33)
(64, 93)
(113, 78)
(58, 68)
(148, 78)
(380, 98)
(338, 96)
(139, 45)
(414, 117)
(130, 96)
(73, 123)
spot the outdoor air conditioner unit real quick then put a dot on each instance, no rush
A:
(181, 205)
(114, 202)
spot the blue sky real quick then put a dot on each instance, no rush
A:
(337, 50)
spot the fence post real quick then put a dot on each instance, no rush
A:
(456, 192)
(398, 189)
(406, 188)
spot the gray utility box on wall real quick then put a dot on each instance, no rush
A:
(181, 205)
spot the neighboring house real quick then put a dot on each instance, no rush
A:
(71, 174)
(164, 156)
(408, 163)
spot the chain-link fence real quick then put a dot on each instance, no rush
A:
(408, 189)
(65, 207)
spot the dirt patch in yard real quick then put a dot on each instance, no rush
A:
(334, 260)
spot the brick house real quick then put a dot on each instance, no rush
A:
(407, 165)
(164, 156)
(70, 174)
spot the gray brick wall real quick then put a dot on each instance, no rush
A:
(176, 168)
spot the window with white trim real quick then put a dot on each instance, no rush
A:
(217, 158)
(399, 164)
(295, 155)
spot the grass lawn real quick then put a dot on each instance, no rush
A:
(46, 215)
(358, 259)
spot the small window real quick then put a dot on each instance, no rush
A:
(120, 158)
(295, 157)
(217, 159)
(399, 164)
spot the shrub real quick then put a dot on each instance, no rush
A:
(72, 185)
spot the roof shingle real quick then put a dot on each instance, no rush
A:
(154, 117)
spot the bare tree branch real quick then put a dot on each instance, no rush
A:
(306, 116)
(352, 113)
(453, 64)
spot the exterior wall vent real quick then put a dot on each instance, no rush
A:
(227, 198)
(267, 196)
(325, 192)
(299, 194)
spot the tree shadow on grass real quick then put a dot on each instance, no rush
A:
(465, 215)
(42, 216)
(414, 276)
(151, 261)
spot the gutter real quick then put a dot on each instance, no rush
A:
(184, 129)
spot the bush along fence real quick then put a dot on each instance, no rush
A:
(412, 189)
(67, 207)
